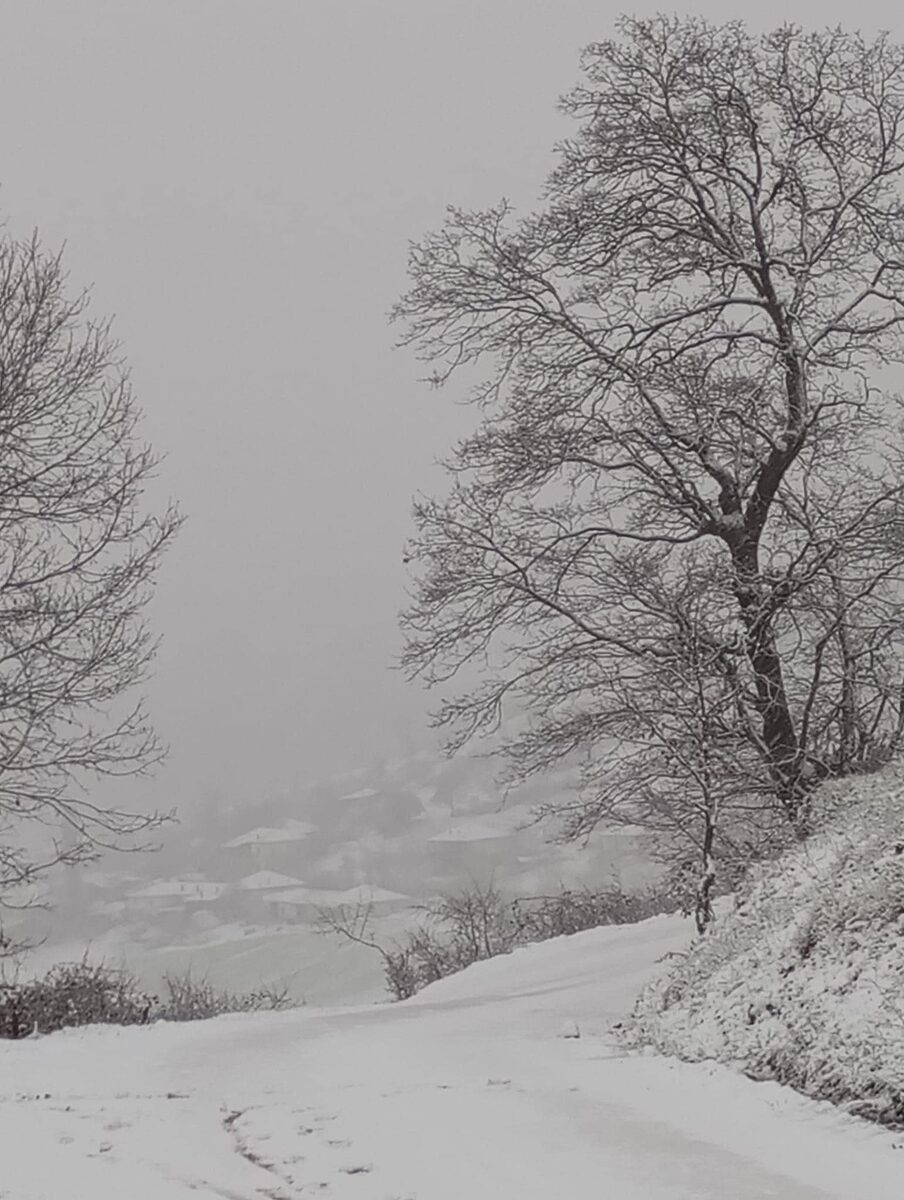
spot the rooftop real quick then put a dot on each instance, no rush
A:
(329, 898)
(185, 889)
(262, 880)
(471, 831)
(292, 831)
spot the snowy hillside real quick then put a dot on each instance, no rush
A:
(477, 1089)
(803, 979)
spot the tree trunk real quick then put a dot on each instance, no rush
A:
(778, 731)
(850, 739)
(703, 901)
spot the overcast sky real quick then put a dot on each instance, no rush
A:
(238, 180)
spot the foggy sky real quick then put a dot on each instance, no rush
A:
(238, 180)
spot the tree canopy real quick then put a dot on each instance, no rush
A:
(674, 539)
(79, 549)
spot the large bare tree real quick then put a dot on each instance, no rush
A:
(684, 366)
(78, 553)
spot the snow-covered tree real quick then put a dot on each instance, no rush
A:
(686, 477)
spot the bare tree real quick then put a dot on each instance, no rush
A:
(78, 553)
(678, 523)
(666, 741)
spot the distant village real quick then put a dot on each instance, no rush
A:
(410, 830)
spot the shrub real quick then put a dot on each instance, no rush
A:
(191, 999)
(73, 994)
(480, 923)
(84, 993)
(541, 917)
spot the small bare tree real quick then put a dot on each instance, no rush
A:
(683, 379)
(667, 745)
(78, 553)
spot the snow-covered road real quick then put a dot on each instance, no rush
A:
(470, 1091)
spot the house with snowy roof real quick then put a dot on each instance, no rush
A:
(476, 849)
(174, 897)
(306, 904)
(250, 895)
(274, 848)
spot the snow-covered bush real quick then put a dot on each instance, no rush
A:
(72, 994)
(456, 931)
(481, 922)
(803, 980)
(574, 910)
(85, 993)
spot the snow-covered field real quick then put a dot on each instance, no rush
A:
(316, 969)
(476, 1089)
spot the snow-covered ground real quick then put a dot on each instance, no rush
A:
(476, 1089)
(801, 979)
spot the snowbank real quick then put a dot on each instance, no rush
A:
(803, 982)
